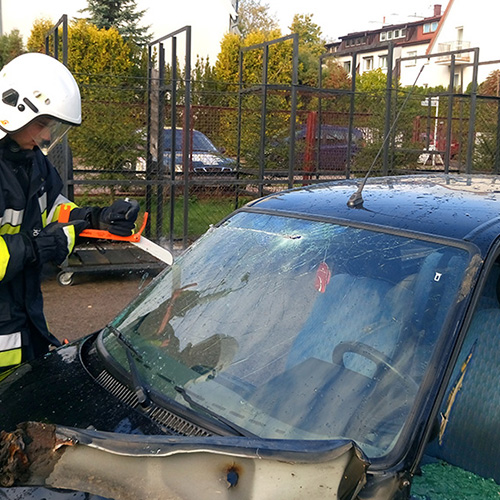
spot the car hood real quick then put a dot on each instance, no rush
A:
(59, 388)
(116, 461)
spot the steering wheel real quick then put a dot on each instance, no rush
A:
(369, 352)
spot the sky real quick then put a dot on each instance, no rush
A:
(209, 19)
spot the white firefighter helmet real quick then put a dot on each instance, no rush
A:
(37, 86)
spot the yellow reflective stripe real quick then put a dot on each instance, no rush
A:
(7, 229)
(70, 236)
(10, 349)
(9, 358)
(4, 258)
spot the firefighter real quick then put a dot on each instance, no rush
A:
(39, 102)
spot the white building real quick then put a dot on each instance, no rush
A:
(462, 27)
(409, 39)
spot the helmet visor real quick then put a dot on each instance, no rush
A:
(47, 132)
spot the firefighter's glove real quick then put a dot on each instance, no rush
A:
(56, 241)
(120, 217)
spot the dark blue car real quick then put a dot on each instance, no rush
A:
(307, 347)
(329, 149)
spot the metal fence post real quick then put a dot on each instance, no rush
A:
(449, 122)
(293, 111)
(472, 116)
(351, 116)
(186, 137)
(388, 109)
(66, 166)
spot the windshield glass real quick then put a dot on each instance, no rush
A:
(296, 329)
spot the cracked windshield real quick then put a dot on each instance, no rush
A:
(294, 329)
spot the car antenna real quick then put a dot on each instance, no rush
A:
(356, 199)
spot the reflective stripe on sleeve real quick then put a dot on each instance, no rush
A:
(11, 218)
(10, 349)
(69, 231)
(10, 341)
(10, 358)
(4, 258)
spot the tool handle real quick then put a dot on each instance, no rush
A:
(101, 234)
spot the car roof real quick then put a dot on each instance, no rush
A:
(445, 206)
(302, 129)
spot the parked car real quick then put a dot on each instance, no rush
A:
(204, 157)
(326, 154)
(312, 345)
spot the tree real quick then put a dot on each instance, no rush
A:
(335, 76)
(311, 46)
(119, 14)
(39, 30)
(112, 111)
(11, 45)
(310, 39)
(491, 86)
(254, 16)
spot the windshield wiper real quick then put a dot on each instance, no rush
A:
(138, 385)
(123, 340)
(236, 428)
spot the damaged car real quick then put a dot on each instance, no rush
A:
(344, 344)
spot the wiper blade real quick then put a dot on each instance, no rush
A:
(123, 340)
(236, 428)
(139, 386)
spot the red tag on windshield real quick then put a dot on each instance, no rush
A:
(323, 275)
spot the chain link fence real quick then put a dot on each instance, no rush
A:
(233, 158)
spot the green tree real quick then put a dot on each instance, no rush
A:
(311, 46)
(255, 16)
(112, 111)
(310, 39)
(335, 76)
(11, 45)
(491, 86)
(486, 144)
(39, 30)
(121, 15)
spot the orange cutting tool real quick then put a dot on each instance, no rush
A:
(136, 238)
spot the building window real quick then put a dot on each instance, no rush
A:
(430, 27)
(382, 62)
(368, 63)
(413, 62)
(347, 66)
(389, 35)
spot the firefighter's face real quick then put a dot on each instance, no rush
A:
(29, 136)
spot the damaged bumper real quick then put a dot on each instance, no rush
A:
(127, 467)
